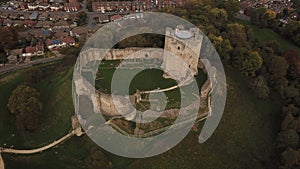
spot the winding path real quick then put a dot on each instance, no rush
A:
(76, 130)
(37, 150)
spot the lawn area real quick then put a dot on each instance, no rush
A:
(244, 138)
(55, 95)
(265, 35)
(153, 81)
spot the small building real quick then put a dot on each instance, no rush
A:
(14, 55)
(72, 7)
(68, 41)
(32, 6)
(34, 50)
(24, 16)
(23, 5)
(61, 25)
(17, 23)
(103, 18)
(29, 23)
(43, 24)
(14, 16)
(44, 6)
(54, 17)
(44, 16)
(51, 44)
(56, 7)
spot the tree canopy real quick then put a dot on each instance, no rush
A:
(25, 105)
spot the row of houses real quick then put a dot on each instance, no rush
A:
(38, 24)
(25, 54)
(141, 5)
(37, 16)
(70, 6)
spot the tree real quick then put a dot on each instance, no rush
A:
(293, 61)
(278, 71)
(3, 55)
(24, 104)
(33, 75)
(263, 17)
(236, 33)
(288, 138)
(252, 63)
(8, 38)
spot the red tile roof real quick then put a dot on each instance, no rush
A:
(68, 40)
(31, 49)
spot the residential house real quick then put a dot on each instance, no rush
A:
(43, 16)
(294, 16)
(79, 32)
(66, 17)
(52, 44)
(43, 24)
(103, 18)
(72, 6)
(34, 50)
(56, 7)
(32, 6)
(54, 17)
(14, 55)
(59, 34)
(14, 16)
(68, 41)
(4, 15)
(44, 6)
(29, 23)
(61, 25)
(7, 22)
(23, 6)
(17, 23)
(24, 16)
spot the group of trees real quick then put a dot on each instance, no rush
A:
(266, 18)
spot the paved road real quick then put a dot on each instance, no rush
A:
(4, 70)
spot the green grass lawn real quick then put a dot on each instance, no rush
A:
(58, 108)
(266, 34)
(55, 92)
(244, 138)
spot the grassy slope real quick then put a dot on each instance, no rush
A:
(57, 110)
(244, 138)
(267, 34)
(56, 96)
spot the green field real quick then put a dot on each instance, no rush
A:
(244, 138)
(266, 34)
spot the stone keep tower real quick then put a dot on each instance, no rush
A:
(185, 44)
